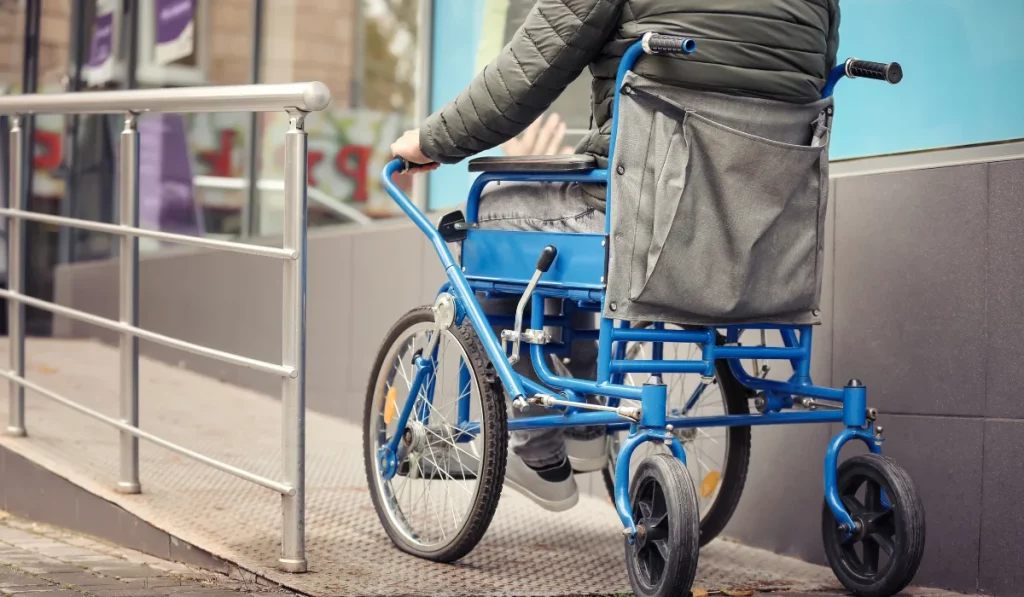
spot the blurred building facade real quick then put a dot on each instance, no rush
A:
(197, 169)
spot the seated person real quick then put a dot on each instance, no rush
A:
(781, 50)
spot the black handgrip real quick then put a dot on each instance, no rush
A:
(547, 257)
(880, 71)
(408, 166)
(669, 44)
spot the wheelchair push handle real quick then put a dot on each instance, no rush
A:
(880, 71)
(656, 43)
(407, 166)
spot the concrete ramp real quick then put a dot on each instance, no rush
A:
(527, 551)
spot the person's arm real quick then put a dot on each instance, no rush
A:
(557, 41)
(833, 34)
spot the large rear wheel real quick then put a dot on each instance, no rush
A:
(450, 463)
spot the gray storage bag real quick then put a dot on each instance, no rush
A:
(718, 206)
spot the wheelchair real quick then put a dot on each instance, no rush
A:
(436, 422)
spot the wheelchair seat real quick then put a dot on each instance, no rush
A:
(534, 163)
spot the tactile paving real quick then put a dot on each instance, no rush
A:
(527, 551)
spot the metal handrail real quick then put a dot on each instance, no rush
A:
(237, 184)
(184, 239)
(85, 410)
(298, 99)
(124, 328)
(304, 97)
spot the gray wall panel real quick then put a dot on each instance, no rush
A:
(1002, 551)
(387, 269)
(782, 499)
(1006, 291)
(329, 310)
(910, 257)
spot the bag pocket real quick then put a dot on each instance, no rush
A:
(736, 227)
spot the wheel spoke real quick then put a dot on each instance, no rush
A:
(645, 509)
(882, 541)
(873, 496)
(881, 521)
(436, 469)
(706, 435)
(659, 505)
(663, 549)
(656, 564)
(870, 556)
(853, 505)
(693, 448)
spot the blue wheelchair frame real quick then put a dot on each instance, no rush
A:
(498, 262)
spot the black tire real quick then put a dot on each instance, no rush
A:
(899, 528)
(490, 473)
(667, 569)
(734, 475)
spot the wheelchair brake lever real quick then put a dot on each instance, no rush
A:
(515, 335)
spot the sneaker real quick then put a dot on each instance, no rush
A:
(587, 455)
(552, 488)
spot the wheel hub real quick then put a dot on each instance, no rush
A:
(415, 437)
(640, 538)
(860, 529)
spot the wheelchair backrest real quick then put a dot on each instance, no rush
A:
(717, 207)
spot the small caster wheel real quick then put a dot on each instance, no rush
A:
(662, 560)
(881, 555)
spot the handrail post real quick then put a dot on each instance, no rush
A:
(293, 389)
(15, 309)
(128, 198)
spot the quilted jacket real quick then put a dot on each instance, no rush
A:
(776, 49)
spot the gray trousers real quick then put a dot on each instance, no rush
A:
(551, 207)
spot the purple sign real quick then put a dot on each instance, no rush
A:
(175, 29)
(102, 40)
(166, 199)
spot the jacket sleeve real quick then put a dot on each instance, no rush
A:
(556, 42)
(833, 34)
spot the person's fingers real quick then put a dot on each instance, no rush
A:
(546, 133)
(511, 147)
(555, 140)
(530, 137)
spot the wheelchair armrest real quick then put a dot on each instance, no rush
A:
(534, 163)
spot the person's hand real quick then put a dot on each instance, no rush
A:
(540, 138)
(408, 148)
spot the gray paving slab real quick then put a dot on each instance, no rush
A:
(31, 563)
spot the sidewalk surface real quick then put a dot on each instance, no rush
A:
(43, 561)
(527, 551)
(39, 560)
